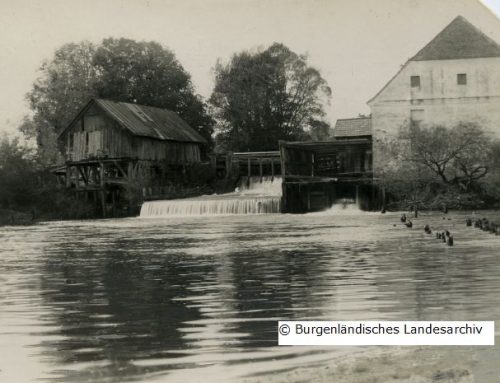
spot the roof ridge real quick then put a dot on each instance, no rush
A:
(355, 118)
(436, 48)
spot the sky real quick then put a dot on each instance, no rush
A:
(357, 45)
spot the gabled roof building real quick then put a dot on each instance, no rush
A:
(454, 78)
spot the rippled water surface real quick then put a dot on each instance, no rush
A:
(197, 299)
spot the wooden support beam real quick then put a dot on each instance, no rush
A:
(68, 176)
(272, 169)
(101, 174)
(249, 173)
(84, 176)
(103, 202)
(312, 164)
(308, 188)
(260, 170)
(130, 171)
(122, 171)
(283, 160)
(113, 201)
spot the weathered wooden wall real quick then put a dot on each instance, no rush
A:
(97, 136)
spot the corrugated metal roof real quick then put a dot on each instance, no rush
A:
(459, 40)
(353, 127)
(146, 121)
(149, 121)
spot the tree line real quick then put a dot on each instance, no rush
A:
(259, 97)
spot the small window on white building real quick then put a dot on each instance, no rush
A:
(415, 81)
(462, 79)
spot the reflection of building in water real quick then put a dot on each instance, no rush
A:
(116, 308)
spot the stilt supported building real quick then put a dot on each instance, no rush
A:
(120, 153)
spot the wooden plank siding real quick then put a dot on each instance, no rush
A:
(97, 136)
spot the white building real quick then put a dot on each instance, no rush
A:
(455, 78)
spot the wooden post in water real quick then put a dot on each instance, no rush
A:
(272, 169)
(113, 201)
(308, 188)
(260, 169)
(312, 164)
(249, 172)
(102, 185)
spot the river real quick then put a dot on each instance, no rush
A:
(198, 298)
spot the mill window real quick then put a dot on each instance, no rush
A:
(462, 79)
(415, 81)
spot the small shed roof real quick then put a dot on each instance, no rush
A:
(146, 121)
(353, 127)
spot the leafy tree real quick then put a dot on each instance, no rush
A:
(438, 166)
(117, 69)
(261, 98)
(319, 130)
(17, 174)
(459, 156)
(146, 73)
(66, 83)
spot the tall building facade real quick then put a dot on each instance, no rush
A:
(455, 78)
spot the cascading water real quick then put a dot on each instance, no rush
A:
(344, 206)
(252, 196)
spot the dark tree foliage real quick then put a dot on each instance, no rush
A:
(117, 69)
(459, 156)
(146, 73)
(268, 96)
(436, 166)
(17, 174)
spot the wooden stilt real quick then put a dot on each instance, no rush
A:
(103, 203)
(312, 164)
(68, 176)
(249, 172)
(308, 189)
(260, 170)
(102, 187)
(113, 201)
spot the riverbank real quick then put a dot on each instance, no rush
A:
(12, 217)
(401, 365)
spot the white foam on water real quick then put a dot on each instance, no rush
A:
(252, 196)
(344, 206)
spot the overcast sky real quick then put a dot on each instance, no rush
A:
(358, 45)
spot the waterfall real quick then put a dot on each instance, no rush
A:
(252, 196)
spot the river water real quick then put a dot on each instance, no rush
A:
(197, 298)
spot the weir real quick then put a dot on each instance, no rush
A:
(254, 195)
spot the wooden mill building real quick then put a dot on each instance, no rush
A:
(117, 151)
(316, 174)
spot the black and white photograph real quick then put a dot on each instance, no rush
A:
(254, 191)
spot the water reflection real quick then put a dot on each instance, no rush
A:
(137, 299)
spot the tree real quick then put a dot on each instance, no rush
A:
(438, 166)
(264, 97)
(118, 69)
(459, 156)
(408, 183)
(146, 73)
(17, 170)
(319, 130)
